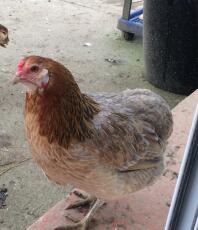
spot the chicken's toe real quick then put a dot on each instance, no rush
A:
(83, 224)
(80, 194)
(88, 201)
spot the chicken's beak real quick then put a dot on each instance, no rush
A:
(16, 79)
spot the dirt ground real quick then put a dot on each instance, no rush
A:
(59, 29)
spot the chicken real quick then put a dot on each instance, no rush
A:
(4, 39)
(107, 144)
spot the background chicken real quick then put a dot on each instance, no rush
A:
(108, 144)
(4, 39)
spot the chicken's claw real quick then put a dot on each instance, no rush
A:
(80, 194)
(87, 201)
(83, 224)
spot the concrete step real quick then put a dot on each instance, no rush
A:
(143, 210)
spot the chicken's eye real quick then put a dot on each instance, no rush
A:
(34, 68)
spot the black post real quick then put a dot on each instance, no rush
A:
(171, 44)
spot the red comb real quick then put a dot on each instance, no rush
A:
(20, 65)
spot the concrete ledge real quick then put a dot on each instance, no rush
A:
(143, 210)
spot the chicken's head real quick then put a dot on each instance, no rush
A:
(44, 74)
(3, 36)
(32, 73)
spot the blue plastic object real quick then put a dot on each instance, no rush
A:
(134, 25)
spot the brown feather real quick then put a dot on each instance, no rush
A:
(4, 39)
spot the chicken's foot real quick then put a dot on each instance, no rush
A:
(87, 200)
(83, 224)
(80, 194)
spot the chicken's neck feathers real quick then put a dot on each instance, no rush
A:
(62, 119)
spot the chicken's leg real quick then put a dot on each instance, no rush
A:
(83, 224)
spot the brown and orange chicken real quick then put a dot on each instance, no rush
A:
(107, 144)
(4, 39)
